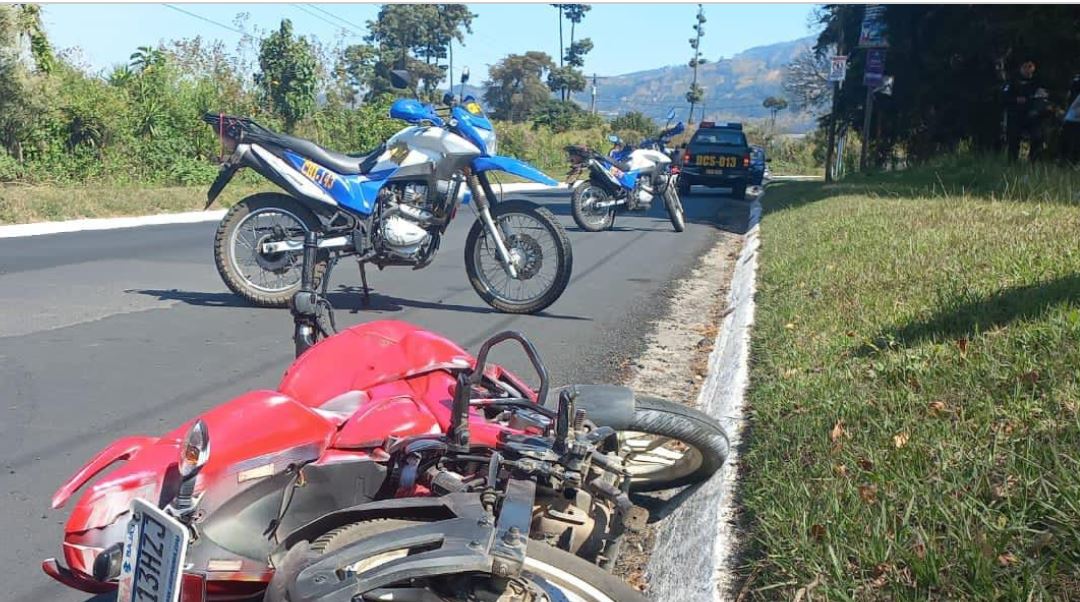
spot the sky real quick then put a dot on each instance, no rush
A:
(626, 37)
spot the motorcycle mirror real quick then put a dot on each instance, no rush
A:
(448, 99)
(465, 75)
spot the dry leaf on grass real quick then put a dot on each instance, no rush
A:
(900, 439)
(865, 464)
(868, 493)
(1007, 559)
(817, 531)
(937, 407)
(837, 431)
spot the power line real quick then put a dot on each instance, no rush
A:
(323, 19)
(333, 16)
(202, 18)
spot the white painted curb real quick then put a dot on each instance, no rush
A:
(693, 556)
(191, 217)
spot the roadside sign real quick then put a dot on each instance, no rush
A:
(874, 75)
(872, 31)
(837, 68)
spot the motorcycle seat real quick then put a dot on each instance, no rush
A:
(346, 165)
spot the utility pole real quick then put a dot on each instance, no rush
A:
(864, 156)
(830, 151)
(592, 103)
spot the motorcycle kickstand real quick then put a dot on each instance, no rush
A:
(363, 280)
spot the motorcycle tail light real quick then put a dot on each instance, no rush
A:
(193, 588)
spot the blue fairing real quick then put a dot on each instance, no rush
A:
(355, 192)
(513, 166)
(469, 126)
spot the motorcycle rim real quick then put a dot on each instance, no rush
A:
(586, 214)
(675, 209)
(277, 272)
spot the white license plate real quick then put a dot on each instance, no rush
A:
(154, 547)
(714, 172)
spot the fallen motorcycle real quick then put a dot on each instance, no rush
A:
(388, 462)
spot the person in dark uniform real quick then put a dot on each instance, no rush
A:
(1070, 128)
(1023, 112)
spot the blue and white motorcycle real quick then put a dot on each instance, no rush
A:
(627, 178)
(387, 207)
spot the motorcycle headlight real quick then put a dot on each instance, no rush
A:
(194, 450)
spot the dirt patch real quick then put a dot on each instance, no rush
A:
(673, 365)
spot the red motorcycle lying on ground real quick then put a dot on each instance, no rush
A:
(389, 464)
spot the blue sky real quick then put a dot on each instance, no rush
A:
(627, 37)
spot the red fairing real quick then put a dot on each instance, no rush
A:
(367, 355)
(254, 424)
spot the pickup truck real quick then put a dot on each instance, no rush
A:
(717, 156)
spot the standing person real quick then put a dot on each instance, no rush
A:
(1021, 114)
(1070, 129)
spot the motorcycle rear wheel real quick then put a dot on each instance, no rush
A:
(268, 280)
(589, 219)
(546, 567)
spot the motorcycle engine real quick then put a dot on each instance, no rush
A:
(406, 214)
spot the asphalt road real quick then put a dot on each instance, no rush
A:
(119, 332)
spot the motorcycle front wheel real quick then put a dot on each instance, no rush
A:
(548, 574)
(264, 279)
(539, 249)
(674, 209)
(667, 444)
(583, 208)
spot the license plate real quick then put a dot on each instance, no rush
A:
(717, 161)
(154, 548)
(714, 172)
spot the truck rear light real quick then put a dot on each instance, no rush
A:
(746, 161)
(686, 157)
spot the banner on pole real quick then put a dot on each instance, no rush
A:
(874, 75)
(837, 68)
(872, 31)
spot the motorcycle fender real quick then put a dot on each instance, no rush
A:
(226, 173)
(605, 405)
(512, 166)
(121, 449)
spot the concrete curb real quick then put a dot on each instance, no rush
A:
(190, 217)
(694, 553)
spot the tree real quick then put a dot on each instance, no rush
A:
(146, 58)
(415, 37)
(695, 94)
(22, 97)
(570, 78)
(287, 76)
(635, 121)
(774, 105)
(562, 115)
(949, 62)
(515, 85)
(806, 80)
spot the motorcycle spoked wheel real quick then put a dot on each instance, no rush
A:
(582, 201)
(674, 208)
(668, 445)
(541, 251)
(549, 573)
(264, 280)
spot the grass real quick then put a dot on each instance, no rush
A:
(20, 204)
(915, 390)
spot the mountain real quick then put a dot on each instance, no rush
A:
(734, 87)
